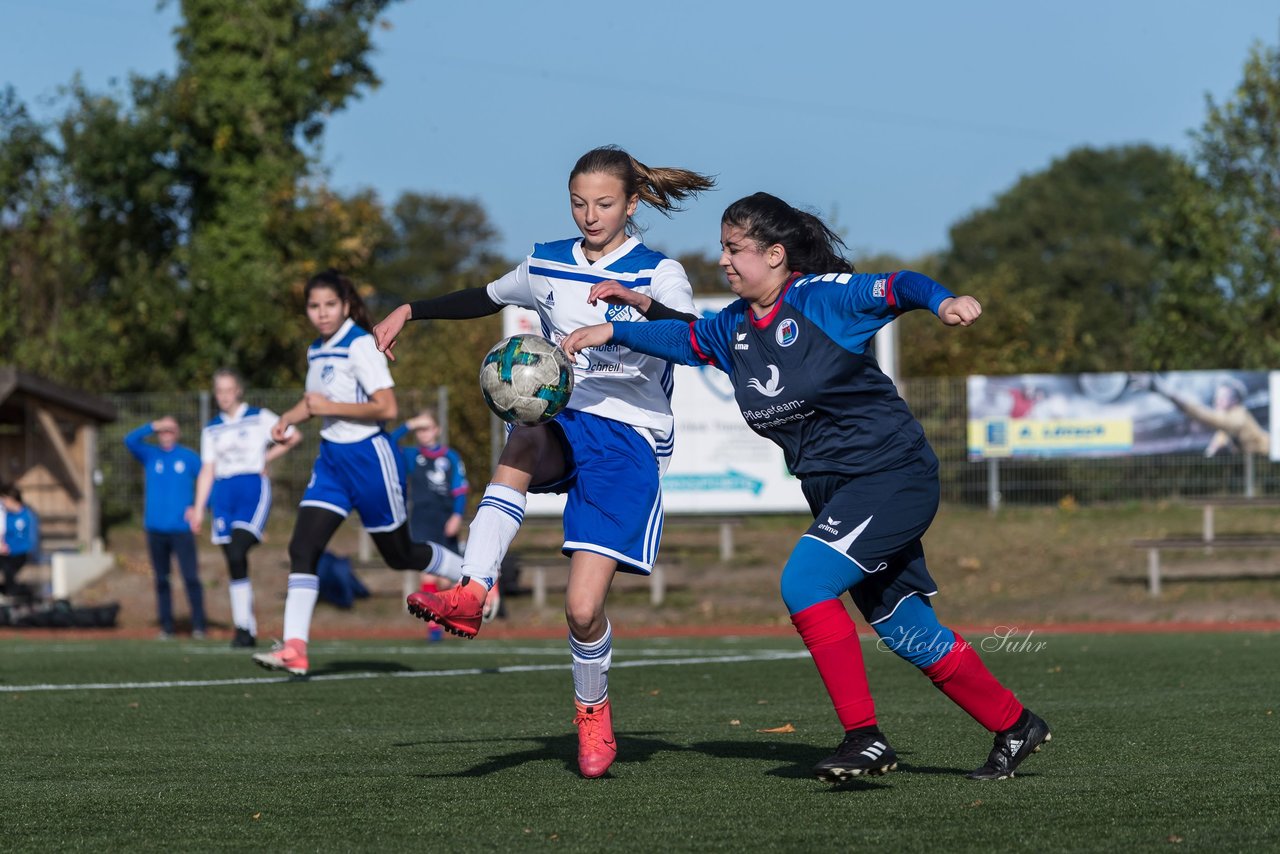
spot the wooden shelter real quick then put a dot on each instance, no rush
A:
(49, 448)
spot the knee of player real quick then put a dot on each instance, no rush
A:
(583, 615)
(304, 554)
(814, 573)
(914, 633)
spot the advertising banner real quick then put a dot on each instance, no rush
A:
(1121, 414)
(719, 465)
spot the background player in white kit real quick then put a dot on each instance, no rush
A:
(235, 450)
(359, 467)
(607, 449)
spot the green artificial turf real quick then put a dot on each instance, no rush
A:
(1160, 742)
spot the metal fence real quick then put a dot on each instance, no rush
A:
(938, 403)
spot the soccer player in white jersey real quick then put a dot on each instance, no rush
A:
(607, 450)
(235, 449)
(359, 467)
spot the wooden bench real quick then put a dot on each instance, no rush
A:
(726, 525)
(1153, 548)
(1209, 505)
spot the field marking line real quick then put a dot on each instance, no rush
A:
(767, 655)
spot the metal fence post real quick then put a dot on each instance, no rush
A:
(993, 485)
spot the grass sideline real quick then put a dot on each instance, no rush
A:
(1158, 740)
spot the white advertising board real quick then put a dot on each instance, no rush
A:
(719, 465)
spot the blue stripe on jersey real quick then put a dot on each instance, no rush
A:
(248, 413)
(558, 250)
(639, 258)
(552, 273)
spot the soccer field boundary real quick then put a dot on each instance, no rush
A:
(749, 658)
(393, 633)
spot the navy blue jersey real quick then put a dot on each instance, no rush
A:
(802, 375)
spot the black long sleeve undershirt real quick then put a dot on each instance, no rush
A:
(476, 302)
(661, 311)
(459, 305)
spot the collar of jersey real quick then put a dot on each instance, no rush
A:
(433, 452)
(237, 415)
(333, 339)
(762, 322)
(604, 260)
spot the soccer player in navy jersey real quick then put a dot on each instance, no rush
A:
(235, 449)
(795, 347)
(606, 450)
(351, 390)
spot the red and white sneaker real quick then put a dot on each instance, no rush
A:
(458, 610)
(596, 746)
(290, 656)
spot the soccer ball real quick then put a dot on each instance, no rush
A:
(526, 379)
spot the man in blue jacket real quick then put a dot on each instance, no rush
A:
(19, 535)
(170, 484)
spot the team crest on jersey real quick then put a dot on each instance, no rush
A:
(877, 289)
(617, 312)
(788, 332)
(326, 374)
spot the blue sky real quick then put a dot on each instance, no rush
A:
(891, 120)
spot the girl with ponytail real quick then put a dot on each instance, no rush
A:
(607, 450)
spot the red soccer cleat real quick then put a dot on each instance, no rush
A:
(457, 609)
(596, 746)
(290, 656)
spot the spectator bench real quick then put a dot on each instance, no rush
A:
(1154, 547)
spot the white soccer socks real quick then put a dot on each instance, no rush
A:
(300, 604)
(591, 667)
(495, 525)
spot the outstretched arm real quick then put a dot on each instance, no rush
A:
(666, 339)
(459, 305)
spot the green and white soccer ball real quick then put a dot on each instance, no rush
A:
(526, 380)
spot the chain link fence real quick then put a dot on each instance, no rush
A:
(938, 403)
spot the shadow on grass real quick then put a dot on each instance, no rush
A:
(797, 760)
(338, 667)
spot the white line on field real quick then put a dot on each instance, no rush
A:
(767, 655)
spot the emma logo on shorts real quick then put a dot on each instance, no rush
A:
(788, 332)
(830, 526)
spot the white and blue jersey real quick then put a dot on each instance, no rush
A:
(610, 381)
(358, 467)
(236, 447)
(617, 431)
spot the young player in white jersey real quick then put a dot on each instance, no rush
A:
(359, 467)
(606, 450)
(235, 449)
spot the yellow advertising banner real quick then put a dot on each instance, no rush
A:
(1008, 437)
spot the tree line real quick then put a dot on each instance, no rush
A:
(150, 236)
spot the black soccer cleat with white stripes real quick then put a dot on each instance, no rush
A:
(1012, 746)
(865, 752)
